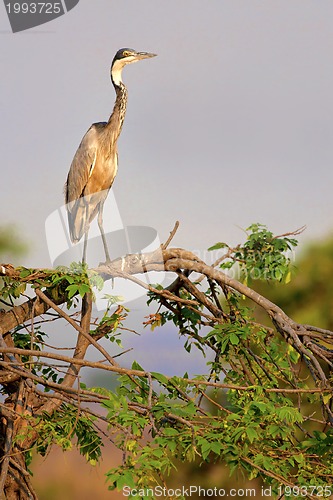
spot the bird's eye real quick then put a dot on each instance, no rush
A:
(126, 53)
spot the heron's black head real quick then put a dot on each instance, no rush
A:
(123, 57)
(128, 56)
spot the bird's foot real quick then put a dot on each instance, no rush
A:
(107, 262)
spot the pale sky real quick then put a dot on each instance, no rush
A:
(231, 124)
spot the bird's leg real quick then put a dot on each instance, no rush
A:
(84, 256)
(100, 225)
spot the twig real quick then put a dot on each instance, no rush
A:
(172, 234)
(292, 233)
(137, 373)
(78, 328)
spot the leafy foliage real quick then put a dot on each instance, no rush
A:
(263, 405)
(308, 297)
(62, 427)
(263, 255)
(248, 427)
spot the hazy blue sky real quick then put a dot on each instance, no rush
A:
(231, 124)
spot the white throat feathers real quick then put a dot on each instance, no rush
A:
(117, 68)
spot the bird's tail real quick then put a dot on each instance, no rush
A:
(77, 219)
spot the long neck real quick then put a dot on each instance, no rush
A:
(117, 117)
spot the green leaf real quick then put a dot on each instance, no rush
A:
(234, 339)
(83, 289)
(113, 299)
(170, 431)
(261, 406)
(72, 290)
(126, 479)
(217, 246)
(136, 366)
(326, 398)
(160, 378)
(251, 434)
(217, 447)
(289, 414)
(25, 272)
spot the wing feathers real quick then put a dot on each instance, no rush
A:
(80, 171)
(90, 177)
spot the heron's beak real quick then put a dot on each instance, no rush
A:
(144, 55)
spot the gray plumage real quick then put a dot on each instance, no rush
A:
(94, 166)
